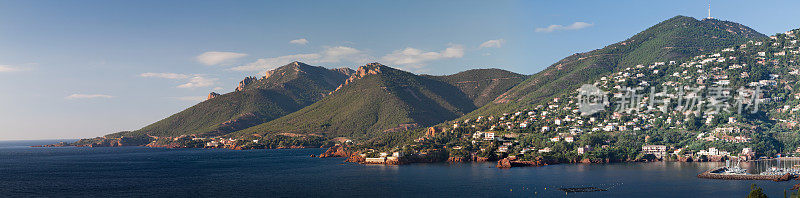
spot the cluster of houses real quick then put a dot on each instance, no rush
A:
(384, 158)
(661, 151)
(561, 118)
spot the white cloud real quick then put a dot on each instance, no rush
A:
(341, 53)
(195, 80)
(301, 41)
(215, 58)
(416, 57)
(8, 68)
(328, 55)
(573, 26)
(164, 75)
(198, 81)
(493, 43)
(87, 96)
(218, 88)
(191, 98)
(263, 64)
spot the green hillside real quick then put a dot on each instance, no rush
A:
(483, 85)
(376, 100)
(255, 101)
(675, 39)
(740, 101)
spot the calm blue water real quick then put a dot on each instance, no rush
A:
(149, 172)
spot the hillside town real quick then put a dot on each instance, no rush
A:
(733, 103)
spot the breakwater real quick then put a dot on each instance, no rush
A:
(716, 173)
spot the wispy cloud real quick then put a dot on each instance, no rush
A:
(327, 55)
(263, 64)
(417, 58)
(199, 81)
(573, 26)
(195, 80)
(9, 68)
(87, 96)
(493, 43)
(190, 98)
(301, 41)
(341, 54)
(164, 75)
(215, 58)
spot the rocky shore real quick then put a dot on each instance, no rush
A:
(514, 162)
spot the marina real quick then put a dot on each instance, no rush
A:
(778, 169)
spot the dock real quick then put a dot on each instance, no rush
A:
(717, 173)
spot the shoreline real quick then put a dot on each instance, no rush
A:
(338, 151)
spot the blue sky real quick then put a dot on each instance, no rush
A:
(75, 69)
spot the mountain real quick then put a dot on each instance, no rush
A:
(374, 101)
(255, 101)
(676, 39)
(483, 85)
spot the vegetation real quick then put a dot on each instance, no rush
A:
(374, 105)
(287, 89)
(483, 85)
(676, 39)
(756, 192)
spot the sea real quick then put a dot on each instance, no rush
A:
(159, 172)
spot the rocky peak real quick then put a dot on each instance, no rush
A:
(369, 69)
(269, 73)
(344, 70)
(247, 81)
(212, 95)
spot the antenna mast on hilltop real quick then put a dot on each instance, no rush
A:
(709, 10)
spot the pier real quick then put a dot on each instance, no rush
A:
(718, 173)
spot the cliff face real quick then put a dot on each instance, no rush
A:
(514, 162)
(371, 68)
(247, 81)
(212, 95)
(344, 70)
(337, 151)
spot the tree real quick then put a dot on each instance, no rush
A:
(756, 192)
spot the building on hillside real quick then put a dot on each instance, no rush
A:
(502, 149)
(584, 149)
(657, 150)
(545, 150)
(477, 135)
(488, 136)
(713, 152)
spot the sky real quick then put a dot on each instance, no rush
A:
(80, 69)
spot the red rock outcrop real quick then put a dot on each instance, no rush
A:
(337, 151)
(786, 177)
(247, 81)
(504, 163)
(514, 162)
(432, 131)
(356, 159)
(212, 95)
(344, 70)
(456, 159)
(371, 68)
(481, 159)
